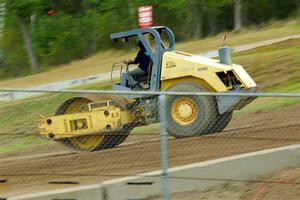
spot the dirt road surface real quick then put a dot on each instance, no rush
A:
(54, 168)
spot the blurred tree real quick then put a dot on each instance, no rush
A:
(71, 7)
(15, 58)
(213, 9)
(78, 28)
(23, 10)
(237, 15)
(2, 27)
(195, 18)
(131, 13)
(27, 44)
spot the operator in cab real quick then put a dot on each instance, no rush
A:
(142, 60)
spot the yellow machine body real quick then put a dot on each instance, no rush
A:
(178, 66)
(104, 121)
(107, 118)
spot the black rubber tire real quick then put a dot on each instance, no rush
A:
(221, 122)
(206, 112)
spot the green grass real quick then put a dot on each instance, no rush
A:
(268, 103)
(19, 122)
(23, 143)
(275, 68)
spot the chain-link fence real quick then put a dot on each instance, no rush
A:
(69, 139)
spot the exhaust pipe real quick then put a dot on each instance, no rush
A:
(224, 53)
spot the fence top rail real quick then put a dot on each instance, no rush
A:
(252, 94)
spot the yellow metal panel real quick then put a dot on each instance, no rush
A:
(183, 66)
(170, 82)
(243, 76)
(176, 66)
(85, 123)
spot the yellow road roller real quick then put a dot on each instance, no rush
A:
(99, 121)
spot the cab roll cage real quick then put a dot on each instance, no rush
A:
(155, 55)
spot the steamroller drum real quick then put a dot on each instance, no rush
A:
(189, 115)
(95, 141)
(221, 122)
(114, 139)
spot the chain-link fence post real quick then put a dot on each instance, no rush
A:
(164, 147)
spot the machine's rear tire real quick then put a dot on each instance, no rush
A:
(189, 115)
(95, 141)
(221, 122)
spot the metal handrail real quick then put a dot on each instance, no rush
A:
(119, 65)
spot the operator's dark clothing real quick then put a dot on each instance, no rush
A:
(142, 59)
(143, 62)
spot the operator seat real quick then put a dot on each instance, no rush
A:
(145, 79)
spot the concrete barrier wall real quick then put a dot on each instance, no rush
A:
(89, 192)
(197, 176)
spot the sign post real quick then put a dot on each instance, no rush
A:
(145, 16)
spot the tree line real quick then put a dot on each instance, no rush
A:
(43, 33)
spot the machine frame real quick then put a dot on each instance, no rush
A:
(97, 121)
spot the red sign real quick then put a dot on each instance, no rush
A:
(51, 12)
(145, 16)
